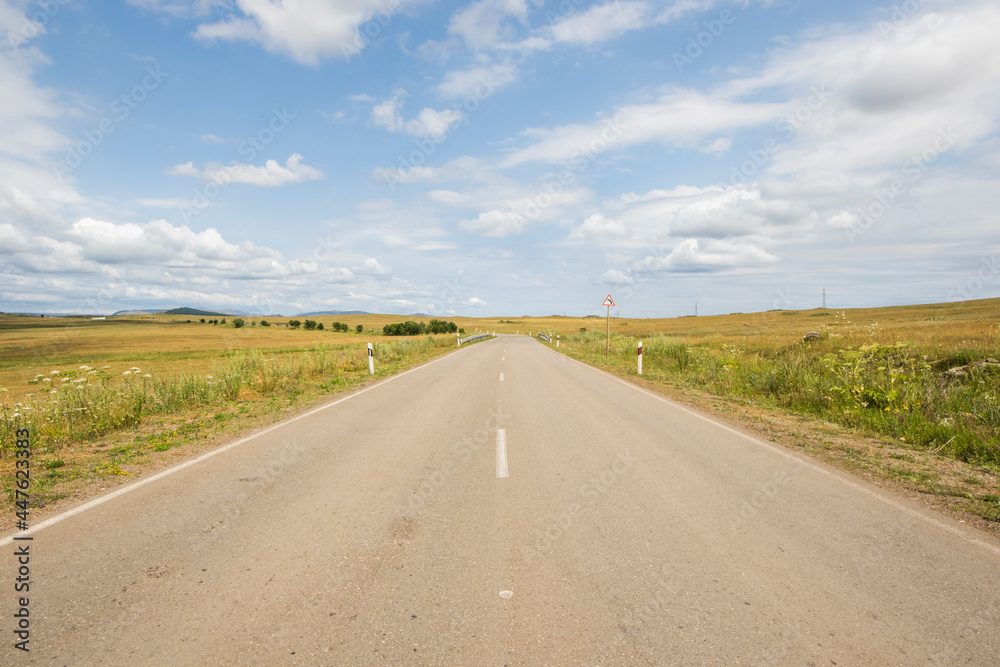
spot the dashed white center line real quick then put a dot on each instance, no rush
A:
(501, 377)
(501, 453)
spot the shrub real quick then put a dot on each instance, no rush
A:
(336, 326)
(319, 326)
(309, 325)
(359, 328)
(203, 320)
(223, 321)
(265, 323)
(238, 322)
(343, 327)
(295, 324)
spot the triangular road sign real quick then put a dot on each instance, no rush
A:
(608, 302)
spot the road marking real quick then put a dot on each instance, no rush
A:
(501, 453)
(501, 377)
(177, 468)
(801, 460)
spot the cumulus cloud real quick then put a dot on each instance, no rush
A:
(272, 174)
(598, 226)
(485, 24)
(602, 23)
(679, 117)
(372, 267)
(477, 81)
(307, 31)
(429, 123)
(694, 256)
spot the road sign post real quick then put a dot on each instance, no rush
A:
(640, 357)
(607, 345)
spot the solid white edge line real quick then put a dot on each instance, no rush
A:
(501, 453)
(207, 455)
(777, 449)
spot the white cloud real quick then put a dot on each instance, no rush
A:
(678, 118)
(598, 226)
(372, 267)
(429, 123)
(479, 82)
(307, 31)
(601, 23)
(615, 277)
(484, 24)
(475, 301)
(169, 202)
(272, 174)
(496, 223)
(691, 257)
(213, 139)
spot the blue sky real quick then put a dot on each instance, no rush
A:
(497, 157)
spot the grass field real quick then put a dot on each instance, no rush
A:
(101, 396)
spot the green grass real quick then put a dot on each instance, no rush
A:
(893, 390)
(85, 403)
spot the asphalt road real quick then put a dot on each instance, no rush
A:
(505, 505)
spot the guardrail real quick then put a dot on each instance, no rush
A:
(545, 337)
(473, 337)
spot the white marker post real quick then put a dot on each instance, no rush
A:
(557, 341)
(371, 360)
(640, 357)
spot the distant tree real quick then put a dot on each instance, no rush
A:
(309, 325)
(223, 321)
(343, 327)
(319, 326)
(440, 326)
(336, 326)
(253, 323)
(238, 322)
(203, 320)
(583, 329)
(295, 324)
(461, 331)
(265, 323)
(359, 328)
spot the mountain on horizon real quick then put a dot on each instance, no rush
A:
(193, 311)
(333, 312)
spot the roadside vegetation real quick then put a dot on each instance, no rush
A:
(105, 419)
(899, 389)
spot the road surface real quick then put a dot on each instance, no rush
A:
(505, 505)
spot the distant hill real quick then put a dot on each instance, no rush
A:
(192, 311)
(135, 312)
(334, 312)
